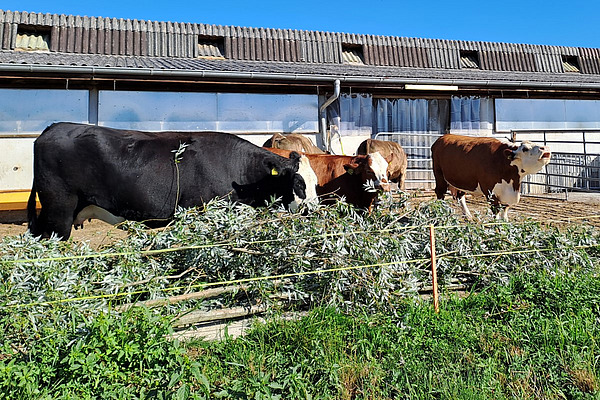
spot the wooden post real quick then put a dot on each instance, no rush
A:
(434, 284)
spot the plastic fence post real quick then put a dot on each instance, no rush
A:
(436, 304)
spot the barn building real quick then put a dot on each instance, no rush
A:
(336, 88)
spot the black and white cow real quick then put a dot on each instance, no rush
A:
(85, 171)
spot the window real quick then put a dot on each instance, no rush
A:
(570, 64)
(26, 111)
(547, 114)
(240, 113)
(33, 38)
(352, 54)
(211, 47)
(469, 59)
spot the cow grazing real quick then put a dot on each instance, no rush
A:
(488, 166)
(85, 171)
(393, 153)
(347, 176)
(310, 180)
(293, 141)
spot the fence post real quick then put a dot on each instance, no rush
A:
(434, 284)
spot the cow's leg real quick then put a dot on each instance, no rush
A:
(401, 181)
(504, 216)
(441, 186)
(460, 196)
(58, 216)
(499, 210)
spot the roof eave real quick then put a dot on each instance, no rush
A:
(124, 73)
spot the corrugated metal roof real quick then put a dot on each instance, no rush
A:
(32, 41)
(201, 65)
(164, 41)
(570, 64)
(469, 60)
(353, 56)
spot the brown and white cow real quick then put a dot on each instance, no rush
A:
(484, 165)
(348, 177)
(293, 141)
(393, 153)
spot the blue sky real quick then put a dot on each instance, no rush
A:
(551, 22)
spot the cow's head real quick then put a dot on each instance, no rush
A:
(529, 158)
(284, 172)
(275, 177)
(372, 167)
(310, 180)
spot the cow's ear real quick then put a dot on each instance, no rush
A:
(351, 168)
(509, 154)
(272, 168)
(389, 158)
(294, 156)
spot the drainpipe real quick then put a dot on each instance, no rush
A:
(336, 94)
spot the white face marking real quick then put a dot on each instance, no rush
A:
(96, 212)
(530, 158)
(379, 167)
(311, 180)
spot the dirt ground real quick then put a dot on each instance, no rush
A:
(550, 209)
(97, 233)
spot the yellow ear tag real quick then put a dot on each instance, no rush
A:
(350, 171)
(274, 172)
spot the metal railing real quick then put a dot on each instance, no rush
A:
(417, 146)
(575, 162)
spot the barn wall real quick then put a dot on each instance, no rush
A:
(24, 114)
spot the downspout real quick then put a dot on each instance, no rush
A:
(336, 94)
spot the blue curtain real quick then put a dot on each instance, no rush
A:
(352, 114)
(411, 115)
(471, 114)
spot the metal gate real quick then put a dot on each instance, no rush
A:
(575, 162)
(417, 146)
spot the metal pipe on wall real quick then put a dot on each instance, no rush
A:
(322, 109)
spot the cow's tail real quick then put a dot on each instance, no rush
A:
(32, 218)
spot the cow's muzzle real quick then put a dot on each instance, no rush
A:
(383, 185)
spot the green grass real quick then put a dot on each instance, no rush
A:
(536, 337)
(533, 338)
